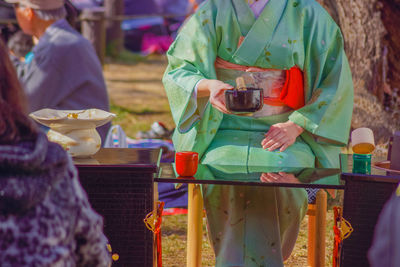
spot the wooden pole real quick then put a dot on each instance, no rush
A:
(195, 226)
(115, 35)
(93, 29)
(155, 206)
(320, 228)
(311, 234)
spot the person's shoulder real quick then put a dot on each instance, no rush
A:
(66, 40)
(311, 10)
(65, 46)
(318, 23)
(306, 4)
(64, 37)
(209, 5)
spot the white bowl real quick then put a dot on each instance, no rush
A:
(75, 130)
(79, 118)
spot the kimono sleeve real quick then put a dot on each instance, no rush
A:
(328, 85)
(190, 58)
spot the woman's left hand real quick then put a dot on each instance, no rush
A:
(281, 135)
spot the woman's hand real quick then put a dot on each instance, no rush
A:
(281, 135)
(216, 90)
(280, 177)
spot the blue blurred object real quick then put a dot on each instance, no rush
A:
(173, 198)
(43, 128)
(29, 57)
(141, 7)
(135, 24)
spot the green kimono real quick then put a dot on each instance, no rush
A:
(287, 33)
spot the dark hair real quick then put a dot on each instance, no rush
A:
(20, 44)
(15, 125)
(72, 13)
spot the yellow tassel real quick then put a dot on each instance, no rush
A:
(151, 219)
(115, 257)
(345, 229)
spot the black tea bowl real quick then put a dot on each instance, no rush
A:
(249, 100)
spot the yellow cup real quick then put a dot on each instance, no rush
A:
(362, 141)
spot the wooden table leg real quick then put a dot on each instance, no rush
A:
(155, 199)
(195, 226)
(320, 229)
(311, 235)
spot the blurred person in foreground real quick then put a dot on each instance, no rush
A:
(45, 216)
(294, 51)
(386, 243)
(65, 72)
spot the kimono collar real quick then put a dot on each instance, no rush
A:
(258, 32)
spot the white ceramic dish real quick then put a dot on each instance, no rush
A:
(75, 130)
(49, 116)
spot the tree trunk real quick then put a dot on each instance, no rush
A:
(370, 47)
(391, 20)
(93, 29)
(115, 35)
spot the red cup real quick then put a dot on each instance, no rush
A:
(186, 163)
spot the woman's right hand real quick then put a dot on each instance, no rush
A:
(279, 177)
(216, 90)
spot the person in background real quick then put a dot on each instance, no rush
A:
(45, 216)
(65, 72)
(20, 45)
(178, 11)
(7, 13)
(294, 51)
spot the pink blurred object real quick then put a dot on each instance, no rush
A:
(152, 43)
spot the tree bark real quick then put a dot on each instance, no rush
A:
(391, 21)
(370, 47)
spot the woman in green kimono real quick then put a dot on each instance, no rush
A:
(224, 39)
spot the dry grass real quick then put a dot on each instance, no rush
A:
(174, 243)
(136, 94)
